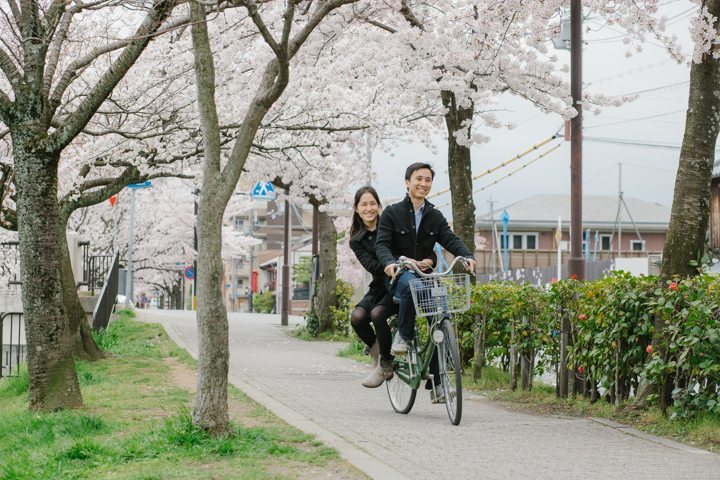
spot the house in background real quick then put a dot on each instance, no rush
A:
(533, 222)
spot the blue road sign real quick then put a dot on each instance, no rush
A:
(145, 184)
(264, 191)
(189, 272)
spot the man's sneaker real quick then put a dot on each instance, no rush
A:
(437, 395)
(399, 345)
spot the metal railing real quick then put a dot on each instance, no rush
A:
(13, 350)
(489, 263)
(98, 268)
(106, 303)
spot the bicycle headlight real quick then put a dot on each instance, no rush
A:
(438, 336)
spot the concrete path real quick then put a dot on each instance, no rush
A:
(309, 386)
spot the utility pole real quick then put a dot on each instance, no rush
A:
(315, 259)
(284, 311)
(576, 264)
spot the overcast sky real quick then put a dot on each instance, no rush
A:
(647, 173)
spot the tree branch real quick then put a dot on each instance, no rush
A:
(205, 82)
(112, 76)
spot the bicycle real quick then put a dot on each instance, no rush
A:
(435, 295)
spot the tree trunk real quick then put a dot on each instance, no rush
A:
(685, 241)
(210, 412)
(84, 345)
(691, 202)
(51, 365)
(327, 283)
(211, 409)
(460, 170)
(479, 362)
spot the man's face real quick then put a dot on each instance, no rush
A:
(419, 184)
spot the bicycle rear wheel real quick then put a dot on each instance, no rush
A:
(402, 395)
(451, 372)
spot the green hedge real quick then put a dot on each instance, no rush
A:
(612, 322)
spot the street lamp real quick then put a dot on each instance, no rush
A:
(129, 295)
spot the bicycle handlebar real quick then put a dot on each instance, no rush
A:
(404, 262)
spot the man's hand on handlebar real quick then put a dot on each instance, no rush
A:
(471, 265)
(390, 270)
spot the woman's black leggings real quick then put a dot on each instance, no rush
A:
(378, 316)
(360, 321)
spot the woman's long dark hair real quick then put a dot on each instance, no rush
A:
(358, 226)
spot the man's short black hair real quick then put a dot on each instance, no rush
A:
(418, 166)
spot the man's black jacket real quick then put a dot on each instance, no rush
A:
(363, 245)
(396, 234)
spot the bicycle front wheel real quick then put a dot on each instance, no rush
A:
(451, 372)
(402, 395)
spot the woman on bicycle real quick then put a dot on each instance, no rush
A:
(377, 304)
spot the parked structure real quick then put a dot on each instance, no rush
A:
(609, 231)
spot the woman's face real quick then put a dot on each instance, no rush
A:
(368, 208)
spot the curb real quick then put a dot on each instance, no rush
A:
(360, 459)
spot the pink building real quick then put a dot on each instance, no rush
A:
(636, 231)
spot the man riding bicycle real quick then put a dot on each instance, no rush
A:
(411, 228)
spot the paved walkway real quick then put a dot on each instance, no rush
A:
(309, 386)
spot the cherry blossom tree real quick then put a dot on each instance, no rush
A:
(284, 29)
(60, 61)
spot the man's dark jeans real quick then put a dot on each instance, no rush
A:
(406, 310)
(406, 316)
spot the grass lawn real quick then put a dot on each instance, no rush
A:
(136, 424)
(702, 431)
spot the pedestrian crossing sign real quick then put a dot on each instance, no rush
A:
(263, 191)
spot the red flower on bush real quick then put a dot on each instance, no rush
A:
(648, 349)
(573, 276)
(582, 316)
(673, 286)
(553, 280)
(581, 369)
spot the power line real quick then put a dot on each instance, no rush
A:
(521, 167)
(630, 120)
(630, 72)
(637, 143)
(503, 164)
(654, 89)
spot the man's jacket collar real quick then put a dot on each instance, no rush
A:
(409, 204)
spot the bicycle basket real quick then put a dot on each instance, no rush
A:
(441, 294)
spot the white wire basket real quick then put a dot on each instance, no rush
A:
(441, 294)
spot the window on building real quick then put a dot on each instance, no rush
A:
(520, 241)
(637, 245)
(239, 222)
(605, 243)
(531, 242)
